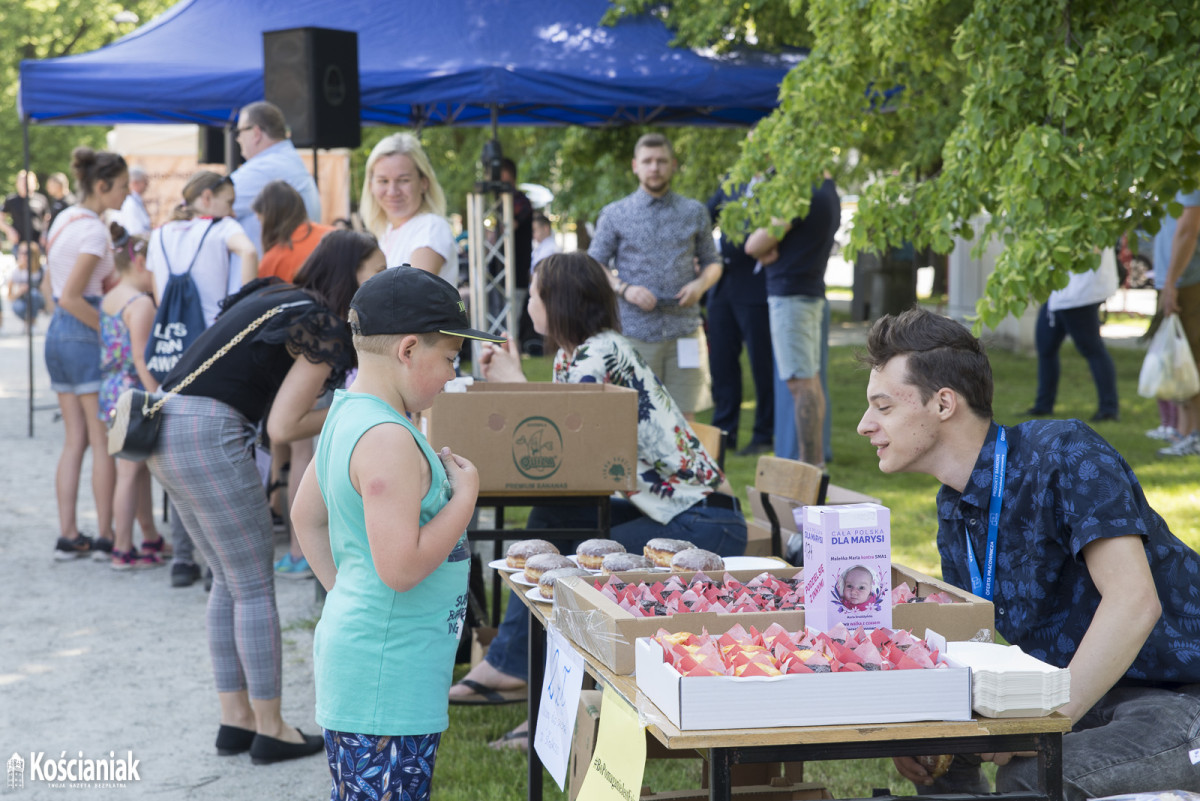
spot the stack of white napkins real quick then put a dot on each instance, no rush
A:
(1006, 682)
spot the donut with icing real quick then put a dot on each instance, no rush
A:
(550, 577)
(518, 552)
(660, 550)
(697, 559)
(539, 563)
(623, 562)
(591, 553)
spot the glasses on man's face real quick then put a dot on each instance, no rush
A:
(241, 131)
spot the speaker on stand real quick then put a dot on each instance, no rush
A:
(311, 74)
(218, 145)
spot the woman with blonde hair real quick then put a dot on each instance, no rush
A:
(404, 206)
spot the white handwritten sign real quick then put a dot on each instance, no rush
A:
(560, 703)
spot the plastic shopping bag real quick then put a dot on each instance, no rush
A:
(1169, 371)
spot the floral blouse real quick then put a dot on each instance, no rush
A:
(674, 471)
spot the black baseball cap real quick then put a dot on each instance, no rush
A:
(405, 300)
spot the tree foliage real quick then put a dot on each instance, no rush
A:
(1054, 125)
(32, 29)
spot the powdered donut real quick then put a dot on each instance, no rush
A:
(591, 553)
(622, 562)
(697, 559)
(539, 563)
(660, 550)
(518, 552)
(548, 579)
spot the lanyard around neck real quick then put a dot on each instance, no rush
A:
(984, 585)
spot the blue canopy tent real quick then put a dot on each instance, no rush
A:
(452, 62)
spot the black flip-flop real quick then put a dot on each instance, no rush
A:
(517, 740)
(488, 696)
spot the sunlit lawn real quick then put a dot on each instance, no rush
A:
(468, 769)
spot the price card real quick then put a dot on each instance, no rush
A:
(560, 703)
(619, 761)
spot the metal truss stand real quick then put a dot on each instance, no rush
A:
(492, 307)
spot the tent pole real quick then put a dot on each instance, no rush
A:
(28, 234)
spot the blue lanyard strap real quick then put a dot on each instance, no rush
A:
(984, 585)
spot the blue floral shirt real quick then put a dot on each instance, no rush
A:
(1064, 488)
(674, 471)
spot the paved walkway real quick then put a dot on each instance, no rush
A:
(95, 660)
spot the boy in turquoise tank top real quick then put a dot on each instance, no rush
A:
(382, 519)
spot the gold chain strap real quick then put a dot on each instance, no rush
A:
(153, 410)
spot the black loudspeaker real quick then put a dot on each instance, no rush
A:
(312, 75)
(212, 146)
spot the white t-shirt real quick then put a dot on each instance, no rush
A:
(133, 216)
(77, 231)
(423, 231)
(213, 272)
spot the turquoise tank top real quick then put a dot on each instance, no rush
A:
(382, 659)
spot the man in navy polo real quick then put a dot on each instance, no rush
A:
(1083, 573)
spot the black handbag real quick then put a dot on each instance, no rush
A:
(135, 425)
(136, 419)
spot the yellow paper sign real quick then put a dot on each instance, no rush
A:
(615, 773)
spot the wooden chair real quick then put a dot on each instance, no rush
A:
(713, 440)
(781, 485)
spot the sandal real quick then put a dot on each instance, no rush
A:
(132, 560)
(517, 740)
(482, 695)
(159, 547)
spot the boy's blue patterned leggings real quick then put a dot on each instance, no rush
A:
(380, 768)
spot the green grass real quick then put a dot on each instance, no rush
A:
(468, 769)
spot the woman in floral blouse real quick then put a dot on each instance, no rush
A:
(572, 305)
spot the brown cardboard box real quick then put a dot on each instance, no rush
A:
(481, 638)
(537, 437)
(758, 538)
(782, 791)
(608, 632)
(587, 725)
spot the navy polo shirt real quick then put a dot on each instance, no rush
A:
(1065, 487)
(805, 248)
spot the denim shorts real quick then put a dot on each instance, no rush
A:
(796, 334)
(73, 353)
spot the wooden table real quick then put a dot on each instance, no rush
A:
(728, 747)
(601, 499)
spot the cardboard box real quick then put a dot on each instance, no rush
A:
(538, 437)
(587, 726)
(607, 632)
(481, 638)
(758, 538)
(812, 699)
(847, 565)
(783, 791)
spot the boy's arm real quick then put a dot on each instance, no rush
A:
(392, 476)
(310, 521)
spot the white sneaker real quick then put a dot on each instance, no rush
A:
(1163, 433)
(1187, 446)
